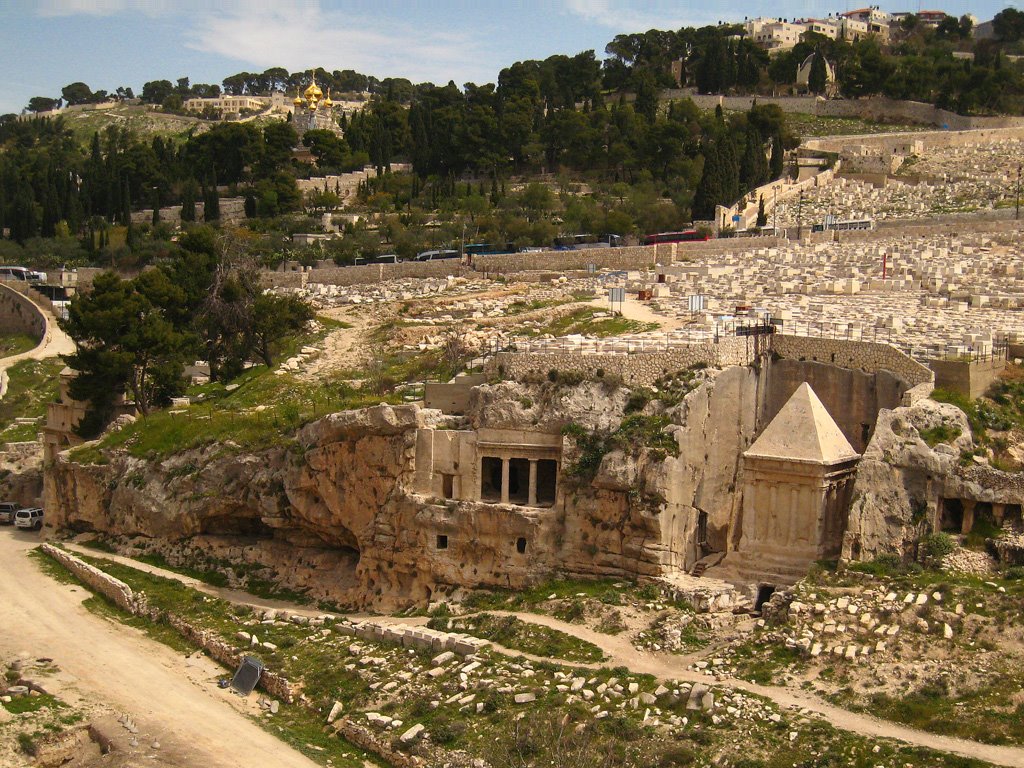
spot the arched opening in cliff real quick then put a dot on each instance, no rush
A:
(242, 526)
(952, 516)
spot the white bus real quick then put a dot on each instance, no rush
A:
(22, 274)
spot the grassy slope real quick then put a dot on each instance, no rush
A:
(33, 384)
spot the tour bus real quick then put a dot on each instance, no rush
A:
(687, 236)
(487, 249)
(436, 255)
(842, 225)
(22, 274)
(580, 242)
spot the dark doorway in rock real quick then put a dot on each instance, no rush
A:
(442, 541)
(952, 515)
(521, 545)
(448, 486)
(547, 482)
(764, 594)
(1012, 517)
(490, 478)
(518, 481)
(702, 530)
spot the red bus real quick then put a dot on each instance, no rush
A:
(690, 235)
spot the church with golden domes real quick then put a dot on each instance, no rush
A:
(313, 110)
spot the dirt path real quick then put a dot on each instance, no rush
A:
(343, 348)
(619, 651)
(54, 342)
(173, 699)
(639, 311)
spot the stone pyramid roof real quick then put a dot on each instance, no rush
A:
(803, 431)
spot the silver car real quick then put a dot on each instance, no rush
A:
(7, 511)
(29, 518)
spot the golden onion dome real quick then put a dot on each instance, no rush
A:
(313, 91)
(298, 101)
(327, 102)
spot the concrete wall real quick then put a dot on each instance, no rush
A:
(970, 378)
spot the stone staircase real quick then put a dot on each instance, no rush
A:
(742, 568)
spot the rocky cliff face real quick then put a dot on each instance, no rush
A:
(332, 511)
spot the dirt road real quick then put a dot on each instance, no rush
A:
(173, 700)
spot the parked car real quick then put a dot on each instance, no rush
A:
(7, 510)
(29, 518)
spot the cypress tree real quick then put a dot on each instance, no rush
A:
(762, 217)
(817, 78)
(776, 165)
(709, 189)
(188, 201)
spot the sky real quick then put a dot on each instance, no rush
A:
(46, 44)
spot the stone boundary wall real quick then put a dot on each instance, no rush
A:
(643, 368)
(135, 603)
(123, 596)
(634, 368)
(932, 140)
(368, 741)
(876, 108)
(420, 638)
(867, 356)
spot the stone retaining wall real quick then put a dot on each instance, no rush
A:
(123, 596)
(867, 356)
(135, 603)
(644, 367)
(634, 368)
(19, 313)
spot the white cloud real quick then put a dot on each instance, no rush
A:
(630, 16)
(265, 34)
(51, 8)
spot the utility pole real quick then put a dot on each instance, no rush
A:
(1016, 214)
(800, 217)
(775, 210)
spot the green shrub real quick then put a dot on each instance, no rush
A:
(936, 546)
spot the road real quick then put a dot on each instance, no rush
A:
(173, 699)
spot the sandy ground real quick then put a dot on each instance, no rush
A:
(173, 699)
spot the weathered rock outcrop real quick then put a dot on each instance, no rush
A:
(902, 482)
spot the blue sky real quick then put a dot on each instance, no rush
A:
(47, 44)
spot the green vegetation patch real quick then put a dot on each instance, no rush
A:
(32, 384)
(637, 432)
(583, 322)
(33, 703)
(16, 344)
(511, 632)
